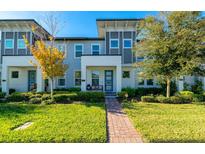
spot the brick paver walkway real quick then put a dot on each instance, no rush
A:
(119, 127)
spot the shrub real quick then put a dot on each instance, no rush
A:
(185, 99)
(17, 97)
(186, 93)
(61, 98)
(2, 94)
(148, 99)
(35, 101)
(163, 99)
(48, 102)
(74, 89)
(46, 97)
(89, 96)
(35, 96)
(148, 91)
(12, 91)
(122, 95)
(197, 88)
(130, 91)
(198, 98)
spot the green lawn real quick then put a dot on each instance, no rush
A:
(168, 122)
(53, 123)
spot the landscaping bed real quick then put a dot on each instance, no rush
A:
(55, 123)
(175, 123)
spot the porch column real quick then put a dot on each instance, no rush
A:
(119, 78)
(83, 78)
(181, 84)
(5, 79)
(40, 81)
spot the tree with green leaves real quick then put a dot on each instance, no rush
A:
(173, 46)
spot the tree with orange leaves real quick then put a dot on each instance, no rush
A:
(49, 59)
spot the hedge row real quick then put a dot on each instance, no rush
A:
(37, 98)
(137, 93)
(163, 99)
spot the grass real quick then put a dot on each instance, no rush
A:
(168, 122)
(53, 123)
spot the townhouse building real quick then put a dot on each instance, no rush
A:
(102, 63)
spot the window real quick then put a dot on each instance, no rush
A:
(95, 49)
(9, 43)
(61, 47)
(95, 78)
(150, 82)
(21, 44)
(141, 81)
(78, 50)
(77, 78)
(114, 43)
(15, 74)
(61, 82)
(126, 74)
(127, 43)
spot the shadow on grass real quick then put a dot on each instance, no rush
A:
(12, 110)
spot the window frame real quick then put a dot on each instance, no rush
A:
(124, 43)
(19, 43)
(12, 44)
(95, 78)
(117, 43)
(75, 50)
(59, 82)
(93, 44)
(77, 78)
(13, 74)
(124, 76)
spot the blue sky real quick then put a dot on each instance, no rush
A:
(77, 24)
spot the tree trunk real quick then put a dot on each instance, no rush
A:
(168, 87)
(51, 88)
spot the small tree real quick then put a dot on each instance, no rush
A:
(172, 44)
(49, 59)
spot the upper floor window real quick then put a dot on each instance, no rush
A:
(78, 50)
(127, 43)
(9, 43)
(114, 43)
(21, 44)
(95, 49)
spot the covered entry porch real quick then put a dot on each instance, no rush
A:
(19, 74)
(101, 79)
(101, 72)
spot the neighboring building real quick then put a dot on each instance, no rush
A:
(102, 63)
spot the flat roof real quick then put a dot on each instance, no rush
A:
(78, 38)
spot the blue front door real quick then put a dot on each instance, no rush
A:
(108, 80)
(31, 80)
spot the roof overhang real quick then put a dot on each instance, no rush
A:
(109, 24)
(23, 23)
